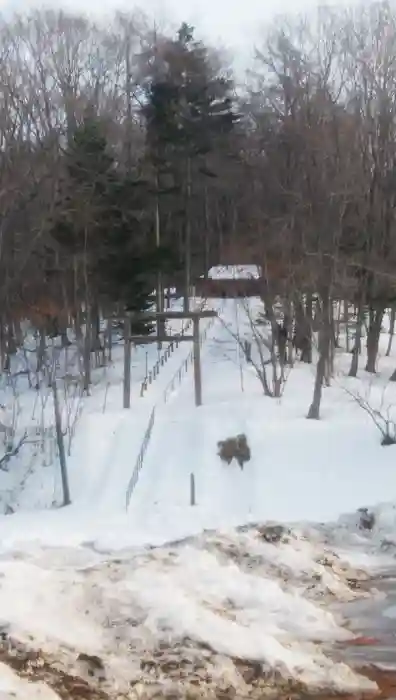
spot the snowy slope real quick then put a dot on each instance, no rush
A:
(300, 470)
(195, 613)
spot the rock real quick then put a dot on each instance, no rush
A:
(272, 533)
(92, 666)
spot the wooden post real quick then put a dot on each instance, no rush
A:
(197, 363)
(193, 501)
(61, 446)
(127, 362)
(248, 351)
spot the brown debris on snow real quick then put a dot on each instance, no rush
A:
(170, 665)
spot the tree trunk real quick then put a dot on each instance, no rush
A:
(159, 287)
(61, 446)
(346, 321)
(63, 319)
(79, 340)
(333, 344)
(187, 250)
(314, 409)
(87, 345)
(206, 237)
(358, 339)
(329, 369)
(306, 355)
(337, 325)
(64, 338)
(3, 344)
(303, 336)
(11, 347)
(87, 349)
(96, 343)
(40, 350)
(18, 334)
(288, 326)
(374, 330)
(324, 352)
(391, 331)
(109, 338)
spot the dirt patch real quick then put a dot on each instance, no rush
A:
(33, 666)
(385, 680)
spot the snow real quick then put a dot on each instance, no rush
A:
(234, 272)
(14, 688)
(34, 481)
(101, 565)
(196, 591)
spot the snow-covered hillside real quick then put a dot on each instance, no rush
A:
(170, 595)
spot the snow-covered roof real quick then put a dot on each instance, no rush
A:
(234, 272)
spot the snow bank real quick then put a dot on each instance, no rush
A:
(218, 600)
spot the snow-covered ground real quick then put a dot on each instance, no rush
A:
(197, 611)
(33, 479)
(162, 585)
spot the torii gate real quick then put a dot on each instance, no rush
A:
(195, 316)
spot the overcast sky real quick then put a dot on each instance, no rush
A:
(234, 24)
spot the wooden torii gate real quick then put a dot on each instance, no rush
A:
(195, 317)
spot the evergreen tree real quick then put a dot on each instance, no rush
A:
(102, 223)
(188, 111)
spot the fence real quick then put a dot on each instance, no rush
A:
(153, 373)
(140, 458)
(175, 381)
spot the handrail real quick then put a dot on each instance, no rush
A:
(139, 462)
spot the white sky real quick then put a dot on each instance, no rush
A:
(232, 24)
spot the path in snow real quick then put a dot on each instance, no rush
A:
(185, 442)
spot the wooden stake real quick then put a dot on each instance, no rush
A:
(197, 363)
(192, 490)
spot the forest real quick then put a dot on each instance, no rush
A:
(132, 161)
